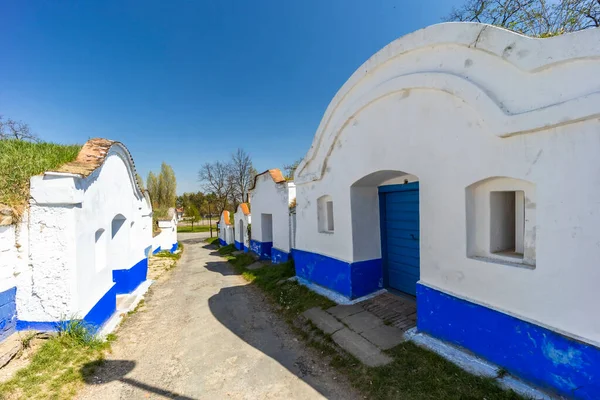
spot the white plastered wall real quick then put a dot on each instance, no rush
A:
(225, 228)
(455, 104)
(272, 198)
(61, 280)
(14, 250)
(241, 221)
(168, 234)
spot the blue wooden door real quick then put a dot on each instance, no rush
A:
(399, 208)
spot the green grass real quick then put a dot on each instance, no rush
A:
(168, 254)
(56, 370)
(20, 160)
(213, 241)
(226, 250)
(415, 373)
(197, 228)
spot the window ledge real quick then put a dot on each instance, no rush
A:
(509, 261)
(327, 232)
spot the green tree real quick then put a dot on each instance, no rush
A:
(152, 187)
(192, 213)
(167, 186)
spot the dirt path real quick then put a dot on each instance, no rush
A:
(204, 333)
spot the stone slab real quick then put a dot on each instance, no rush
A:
(360, 348)
(362, 321)
(342, 311)
(323, 321)
(385, 337)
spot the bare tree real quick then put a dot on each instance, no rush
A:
(290, 169)
(217, 179)
(19, 130)
(243, 174)
(540, 18)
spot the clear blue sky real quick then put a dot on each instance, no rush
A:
(187, 82)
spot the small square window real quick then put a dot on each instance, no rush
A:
(501, 221)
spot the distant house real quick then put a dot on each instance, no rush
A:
(83, 241)
(242, 220)
(180, 213)
(270, 198)
(225, 229)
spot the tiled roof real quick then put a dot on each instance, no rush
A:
(245, 208)
(226, 217)
(91, 156)
(275, 173)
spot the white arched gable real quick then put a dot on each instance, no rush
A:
(516, 84)
(119, 150)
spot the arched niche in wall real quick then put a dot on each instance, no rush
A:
(501, 221)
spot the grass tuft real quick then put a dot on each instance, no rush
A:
(213, 241)
(20, 160)
(226, 250)
(55, 371)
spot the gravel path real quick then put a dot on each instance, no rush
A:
(204, 333)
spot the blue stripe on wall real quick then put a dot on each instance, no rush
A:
(174, 247)
(127, 280)
(352, 280)
(238, 245)
(279, 256)
(262, 249)
(156, 250)
(8, 313)
(222, 242)
(96, 317)
(526, 350)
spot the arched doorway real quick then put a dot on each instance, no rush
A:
(385, 223)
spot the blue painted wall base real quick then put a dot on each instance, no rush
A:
(238, 245)
(526, 350)
(349, 279)
(279, 256)
(156, 250)
(262, 249)
(8, 313)
(127, 280)
(222, 242)
(96, 317)
(174, 247)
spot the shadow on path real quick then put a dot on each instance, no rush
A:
(246, 312)
(105, 371)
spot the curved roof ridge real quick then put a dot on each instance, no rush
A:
(245, 208)
(275, 173)
(91, 157)
(225, 216)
